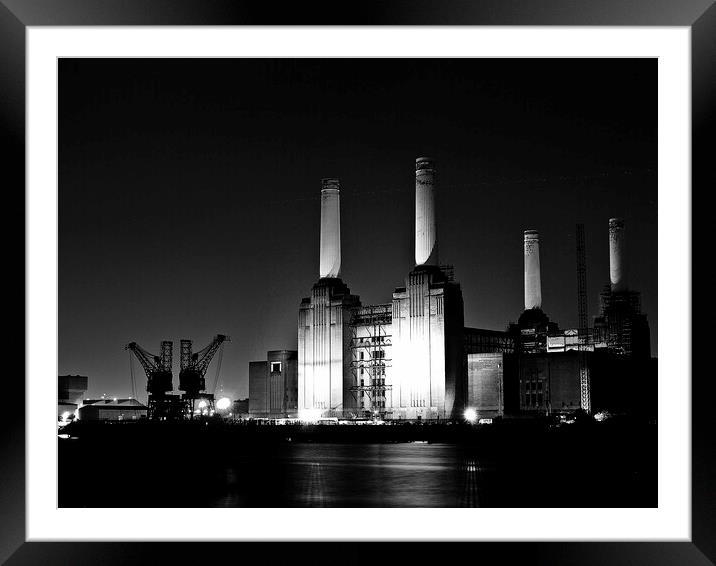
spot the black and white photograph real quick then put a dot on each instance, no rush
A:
(357, 282)
(346, 275)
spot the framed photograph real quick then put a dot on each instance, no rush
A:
(417, 273)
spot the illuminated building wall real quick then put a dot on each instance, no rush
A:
(428, 328)
(324, 353)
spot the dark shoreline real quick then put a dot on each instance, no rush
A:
(248, 431)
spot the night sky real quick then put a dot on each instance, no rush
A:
(189, 192)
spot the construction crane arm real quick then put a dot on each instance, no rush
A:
(149, 362)
(203, 358)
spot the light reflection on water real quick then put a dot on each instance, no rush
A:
(346, 475)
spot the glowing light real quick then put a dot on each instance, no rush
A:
(65, 415)
(223, 403)
(202, 404)
(310, 415)
(470, 415)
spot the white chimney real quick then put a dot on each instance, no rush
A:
(426, 244)
(617, 266)
(330, 264)
(533, 282)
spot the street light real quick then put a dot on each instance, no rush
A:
(470, 415)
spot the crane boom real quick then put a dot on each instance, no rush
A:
(149, 362)
(203, 358)
(158, 368)
(194, 366)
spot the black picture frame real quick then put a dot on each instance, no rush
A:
(699, 15)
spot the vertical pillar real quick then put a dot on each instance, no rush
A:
(533, 281)
(330, 263)
(426, 244)
(617, 267)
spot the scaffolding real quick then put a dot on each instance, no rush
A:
(370, 342)
(620, 313)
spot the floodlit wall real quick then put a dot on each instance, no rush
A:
(428, 347)
(324, 371)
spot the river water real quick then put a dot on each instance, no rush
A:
(339, 475)
(120, 468)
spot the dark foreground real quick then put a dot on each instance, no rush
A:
(508, 464)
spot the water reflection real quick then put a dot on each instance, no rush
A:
(344, 475)
(469, 470)
(315, 493)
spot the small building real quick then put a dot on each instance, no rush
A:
(112, 410)
(70, 390)
(273, 385)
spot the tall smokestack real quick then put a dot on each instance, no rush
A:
(330, 264)
(533, 282)
(617, 266)
(426, 238)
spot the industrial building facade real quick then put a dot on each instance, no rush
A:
(112, 410)
(414, 359)
(273, 385)
(70, 392)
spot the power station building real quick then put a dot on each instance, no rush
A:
(401, 360)
(414, 359)
(563, 371)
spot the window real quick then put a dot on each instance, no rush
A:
(275, 367)
(361, 355)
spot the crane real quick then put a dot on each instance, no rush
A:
(192, 372)
(159, 376)
(585, 385)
